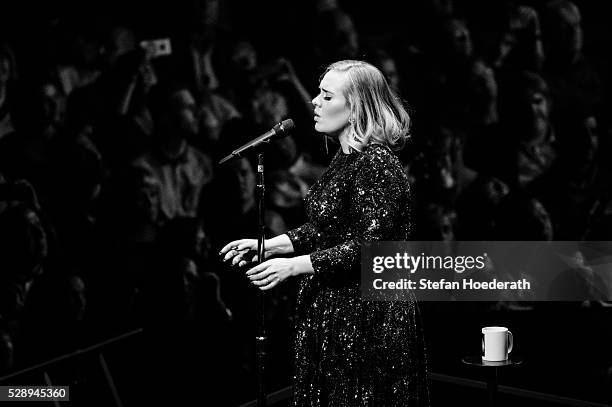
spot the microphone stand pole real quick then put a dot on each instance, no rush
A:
(260, 339)
(279, 130)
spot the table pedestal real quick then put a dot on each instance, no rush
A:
(491, 369)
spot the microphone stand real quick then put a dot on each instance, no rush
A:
(261, 338)
(280, 130)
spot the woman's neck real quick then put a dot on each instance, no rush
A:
(343, 138)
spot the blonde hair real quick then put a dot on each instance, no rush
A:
(377, 113)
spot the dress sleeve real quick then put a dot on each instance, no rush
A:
(376, 206)
(302, 238)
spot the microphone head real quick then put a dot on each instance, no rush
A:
(283, 128)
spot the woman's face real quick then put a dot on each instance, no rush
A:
(331, 110)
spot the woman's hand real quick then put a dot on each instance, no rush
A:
(240, 252)
(271, 272)
(243, 251)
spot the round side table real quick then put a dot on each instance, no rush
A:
(491, 368)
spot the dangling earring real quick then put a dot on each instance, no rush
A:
(353, 134)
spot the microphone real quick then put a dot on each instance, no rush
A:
(280, 130)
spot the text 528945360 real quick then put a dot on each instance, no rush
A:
(34, 393)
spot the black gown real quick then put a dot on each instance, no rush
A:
(348, 351)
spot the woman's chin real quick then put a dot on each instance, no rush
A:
(323, 129)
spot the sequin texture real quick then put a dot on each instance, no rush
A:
(350, 352)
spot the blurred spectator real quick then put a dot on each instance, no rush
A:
(54, 108)
(285, 189)
(23, 243)
(85, 56)
(56, 309)
(482, 120)
(174, 168)
(8, 77)
(7, 350)
(528, 150)
(575, 87)
(439, 171)
(476, 208)
(236, 210)
(456, 41)
(247, 84)
(576, 190)
(240, 64)
(436, 224)
(58, 298)
(198, 41)
(121, 40)
(268, 107)
(73, 187)
(23, 250)
(286, 192)
(520, 217)
(385, 62)
(563, 35)
(449, 69)
(520, 45)
(119, 107)
(424, 19)
(185, 266)
(213, 112)
(482, 98)
(170, 287)
(335, 37)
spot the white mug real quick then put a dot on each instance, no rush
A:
(497, 343)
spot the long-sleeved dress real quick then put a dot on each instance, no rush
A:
(348, 351)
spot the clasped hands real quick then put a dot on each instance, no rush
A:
(271, 272)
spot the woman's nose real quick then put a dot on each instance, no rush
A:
(314, 101)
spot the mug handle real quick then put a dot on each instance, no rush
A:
(511, 341)
(482, 349)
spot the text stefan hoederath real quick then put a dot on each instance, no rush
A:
(458, 264)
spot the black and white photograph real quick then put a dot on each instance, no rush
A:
(306, 203)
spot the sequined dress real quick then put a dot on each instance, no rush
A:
(350, 352)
